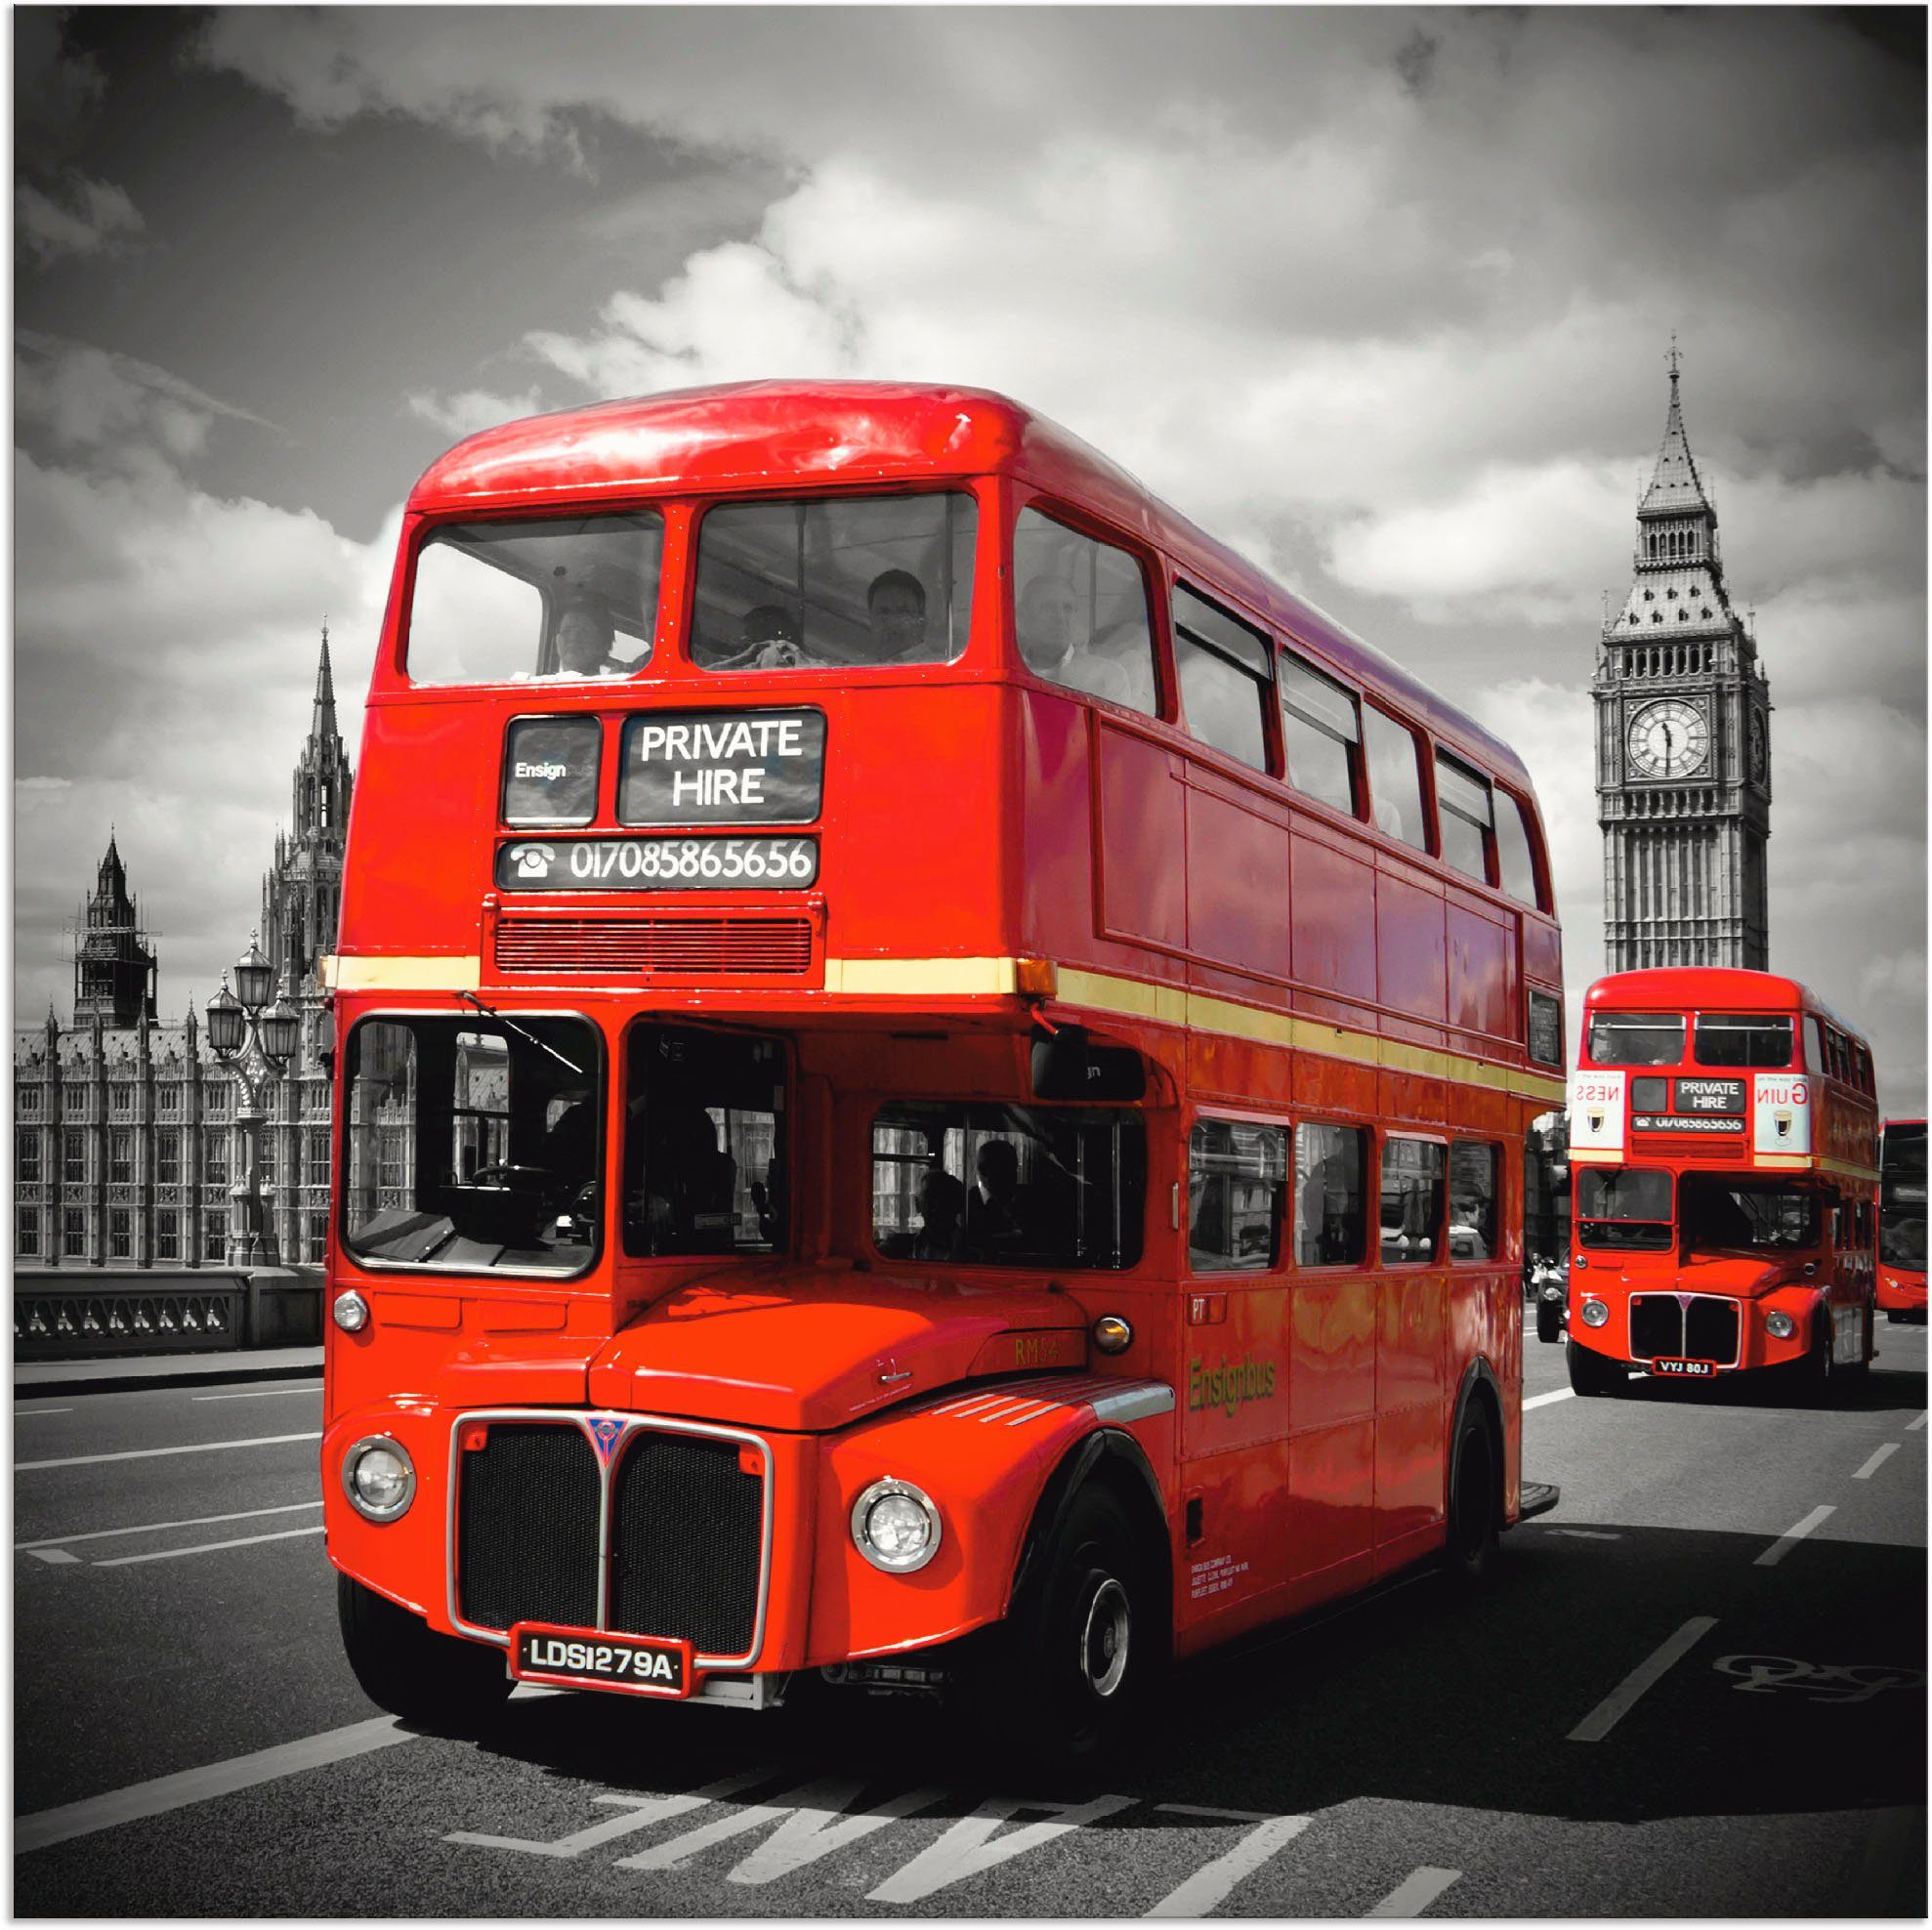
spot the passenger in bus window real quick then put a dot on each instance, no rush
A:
(896, 609)
(942, 1207)
(765, 623)
(585, 635)
(1049, 617)
(998, 1209)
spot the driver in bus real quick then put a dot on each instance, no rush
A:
(1049, 614)
(584, 639)
(999, 1211)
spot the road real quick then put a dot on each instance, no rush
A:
(1697, 1688)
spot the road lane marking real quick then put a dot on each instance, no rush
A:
(1415, 1892)
(153, 1453)
(809, 1833)
(1878, 1460)
(141, 1800)
(151, 1526)
(1543, 1399)
(54, 1557)
(1203, 1891)
(1622, 1700)
(1585, 1533)
(206, 1547)
(256, 1394)
(644, 1811)
(1791, 1538)
(1912, 1427)
(964, 1850)
(29, 1413)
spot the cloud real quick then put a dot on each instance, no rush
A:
(56, 92)
(467, 410)
(72, 216)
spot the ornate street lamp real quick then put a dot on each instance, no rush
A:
(256, 1044)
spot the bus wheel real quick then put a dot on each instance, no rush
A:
(1591, 1374)
(433, 1681)
(1473, 1512)
(1820, 1371)
(1073, 1669)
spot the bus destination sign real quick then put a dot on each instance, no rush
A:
(721, 766)
(674, 864)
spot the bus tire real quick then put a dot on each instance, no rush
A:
(1592, 1375)
(434, 1682)
(1819, 1368)
(1475, 1509)
(1549, 1321)
(1070, 1670)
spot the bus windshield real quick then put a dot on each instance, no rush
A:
(1009, 1186)
(1736, 1039)
(472, 1143)
(1752, 1215)
(850, 580)
(1902, 1198)
(1636, 1038)
(1623, 1207)
(565, 597)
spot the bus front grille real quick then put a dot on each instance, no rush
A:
(1710, 1331)
(1656, 1325)
(673, 947)
(527, 1505)
(686, 1532)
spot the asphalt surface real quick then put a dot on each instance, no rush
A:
(1697, 1688)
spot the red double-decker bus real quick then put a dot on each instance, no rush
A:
(933, 1077)
(1723, 1157)
(1902, 1220)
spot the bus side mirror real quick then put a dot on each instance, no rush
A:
(1068, 1066)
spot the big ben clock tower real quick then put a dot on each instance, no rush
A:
(1683, 742)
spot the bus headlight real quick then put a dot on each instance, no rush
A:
(351, 1312)
(1780, 1326)
(1595, 1313)
(896, 1526)
(379, 1477)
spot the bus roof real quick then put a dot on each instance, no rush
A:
(1709, 988)
(749, 435)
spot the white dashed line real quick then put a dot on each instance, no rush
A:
(196, 1785)
(257, 1394)
(1622, 1700)
(54, 1557)
(154, 1527)
(206, 1547)
(34, 1413)
(1878, 1461)
(1209, 1885)
(1543, 1399)
(1415, 1892)
(1912, 1427)
(155, 1453)
(1791, 1538)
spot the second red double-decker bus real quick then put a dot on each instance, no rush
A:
(1723, 1163)
(934, 1077)
(1902, 1220)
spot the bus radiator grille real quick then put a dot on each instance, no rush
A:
(687, 1525)
(1656, 1325)
(526, 1528)
(677, 948)
(1710, 1331)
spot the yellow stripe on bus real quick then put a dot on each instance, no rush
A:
(929, 977)
(395, 973)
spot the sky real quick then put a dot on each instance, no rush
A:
(1380, 296)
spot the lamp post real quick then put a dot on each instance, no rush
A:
(257, 1043)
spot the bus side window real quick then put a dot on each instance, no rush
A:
(1224, 673)
(1332, 1219)
(1472, 1170)
(1518, 868)
(1411, 1201)
(1395, 785)
(1321, 728)
(1815, 1058)
(1082, 612)
(1238, 1177)
(1465, 816)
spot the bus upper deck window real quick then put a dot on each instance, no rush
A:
(1519, 871)
(1465, 816)
(540, 597)
(845, 582)
(1225, 674)
(1320, 730)
(1395, 785)
(1727, 1038)
(1636, 1038)
(1080, 610)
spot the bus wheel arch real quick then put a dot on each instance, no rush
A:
(1473, 1512)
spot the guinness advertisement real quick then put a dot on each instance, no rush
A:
(721, 766)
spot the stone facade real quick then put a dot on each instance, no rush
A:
(125, 1142)
(1683, 742)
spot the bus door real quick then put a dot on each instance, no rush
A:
(1410, 1339)
(1235, 1366)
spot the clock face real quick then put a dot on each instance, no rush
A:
(1669, 739)
(1757, 746)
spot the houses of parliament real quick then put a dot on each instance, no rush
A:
(125, 1140)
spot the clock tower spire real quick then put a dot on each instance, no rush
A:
(1683, 739)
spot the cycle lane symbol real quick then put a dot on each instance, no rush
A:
(1817, 1681)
